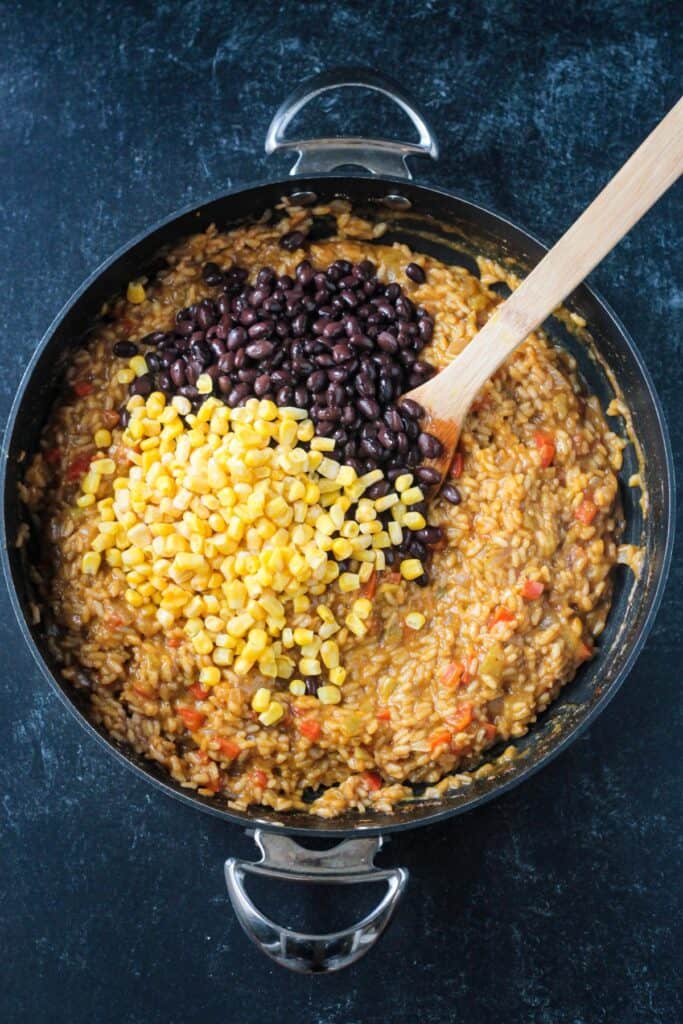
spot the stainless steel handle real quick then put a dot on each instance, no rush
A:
(378, 156)
(349, 862)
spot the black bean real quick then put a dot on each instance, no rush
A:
(260, 349)
(426, 328)
(333, 329)
(142, 385)
(429, 535)
(429, 446)
(369, 408)
(386, 438)
(370, 447)
(317, 381)
(261, 385)
(378, 490)
(451, 493)
(125, 349)
(415, 272)
(260, 330)
(411, 408)
(387, 342)
(427, 475)
(212, 273)
(292, 240)
(304, 272)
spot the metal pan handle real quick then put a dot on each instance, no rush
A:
(378, 156)
(347, 863)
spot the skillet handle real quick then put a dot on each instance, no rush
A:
(350, 862)
(378, 156)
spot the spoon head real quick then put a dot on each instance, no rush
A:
(447, 432)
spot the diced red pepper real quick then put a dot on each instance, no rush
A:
(192, 718)
(229, 748)
(452, 674)
(439, 738)
(531, 589)
(198, 691)
(213, 785)
(461, 719)
(383, 715)
(490, 731)
(587, 510)
(471, 665)
(585, 651)
(259, 778)
(457, 465)
(500, 614)
(546, 447)
(174, 641)
(143, 691)
(79, 466)
(83, 388)
(369, 588)
(53, 455)
(309, 728)
(113, 621)
(372, 780)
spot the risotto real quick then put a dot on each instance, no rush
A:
(241, 561)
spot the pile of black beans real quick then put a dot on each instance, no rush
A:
(337, 342)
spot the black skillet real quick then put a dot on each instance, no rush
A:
(452, 229)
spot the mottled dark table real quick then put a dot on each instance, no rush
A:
(559, 902)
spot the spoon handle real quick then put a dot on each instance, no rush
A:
(654, 166)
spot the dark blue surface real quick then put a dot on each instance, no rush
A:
(561, 901)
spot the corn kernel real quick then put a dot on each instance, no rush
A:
(329, 694)
(362, 607)
(412, 495)
(90, 483)
(297, 687)
(261, 699)
(102, 438)
(411, 568)
(329, 653)
(414, 520)
(309, 667)
(415, 620)
(91, 562)
(222, 656)
(403, 482)
(356, 625)
(204, 384)
(323, 444)
(83, 500)
(202, 643)
(209, 676)
(126, 376)
(138, 364)
(349, 581)
(273, 714)
(135, 293)
(337, 675)
(395, 533)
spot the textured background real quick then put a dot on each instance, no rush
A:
(559, 902)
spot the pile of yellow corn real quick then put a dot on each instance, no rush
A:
(228, 521)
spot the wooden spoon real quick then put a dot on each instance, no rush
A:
(654, 166)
